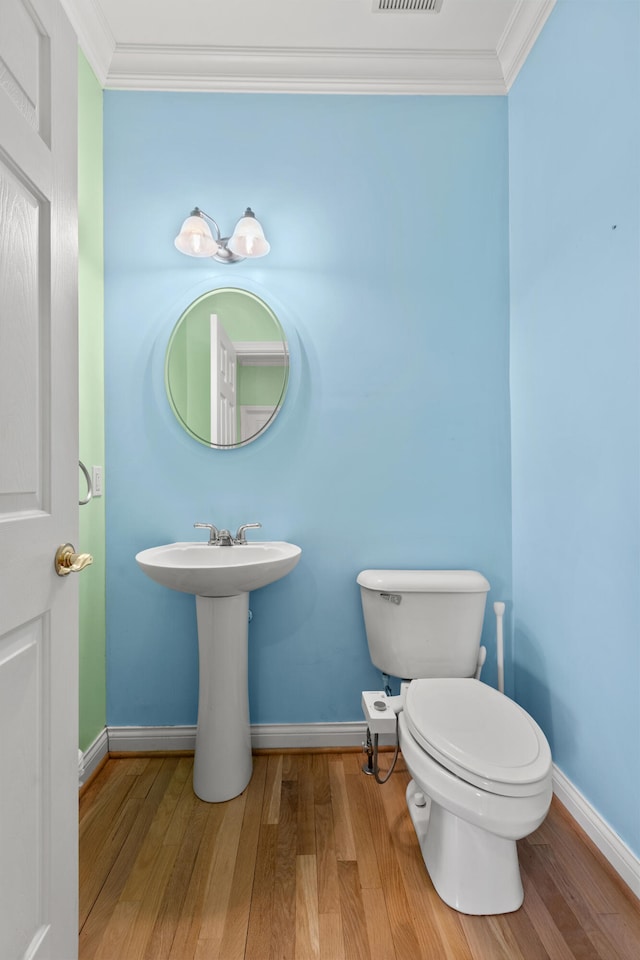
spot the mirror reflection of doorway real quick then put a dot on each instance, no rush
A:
(227, 368)
(253, 420)
(224, 365)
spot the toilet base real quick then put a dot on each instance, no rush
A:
(472, 870)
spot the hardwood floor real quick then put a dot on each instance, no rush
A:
(315, 860)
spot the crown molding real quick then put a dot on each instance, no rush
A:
(306, 69)
(94, 35)
(520, 34)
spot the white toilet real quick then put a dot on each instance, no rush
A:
(481, 766)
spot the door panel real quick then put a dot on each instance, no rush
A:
(224, 367)
(22, 350)
(38, 482)
(23, 677)
(25, 75)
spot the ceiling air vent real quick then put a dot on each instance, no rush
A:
(407, 6)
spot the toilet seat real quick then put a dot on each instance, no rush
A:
(479, 735)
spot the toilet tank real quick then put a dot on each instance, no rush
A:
(424, 623)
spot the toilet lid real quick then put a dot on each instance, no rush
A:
(479, 734)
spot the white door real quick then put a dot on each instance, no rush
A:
(224, 367)
(38, 482)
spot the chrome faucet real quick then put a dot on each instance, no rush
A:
(240, 535)
(213, 531)
(223, 538)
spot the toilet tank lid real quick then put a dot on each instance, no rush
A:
(424, 581)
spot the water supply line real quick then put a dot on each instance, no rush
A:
(381, 711)
(498, 609)
(371, 748)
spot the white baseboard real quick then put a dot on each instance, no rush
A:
(275, 736)
(89, 760)
(133, 739)
(265, 736)
(621, 858)
(280, 736)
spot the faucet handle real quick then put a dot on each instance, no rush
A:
(240, 535)
(213, 530)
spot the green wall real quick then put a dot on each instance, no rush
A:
(91, 388)
(261, 386)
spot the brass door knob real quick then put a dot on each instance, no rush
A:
(68, 561)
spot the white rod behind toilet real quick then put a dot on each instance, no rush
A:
(498, 609)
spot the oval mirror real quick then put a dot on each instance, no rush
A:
(227, 368)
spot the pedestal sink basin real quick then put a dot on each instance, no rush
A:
(221, 578)
(212, 571)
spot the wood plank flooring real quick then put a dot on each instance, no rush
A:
(315, 861)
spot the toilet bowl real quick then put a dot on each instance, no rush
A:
(481, 770)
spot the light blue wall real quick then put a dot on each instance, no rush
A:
(389, 271)
(574, 136)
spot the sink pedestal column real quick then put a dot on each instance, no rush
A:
(223, 764)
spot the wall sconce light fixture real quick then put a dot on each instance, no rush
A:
(247, 240)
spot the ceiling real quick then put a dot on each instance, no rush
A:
(308, 46)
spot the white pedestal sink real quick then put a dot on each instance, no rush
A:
(221, 578)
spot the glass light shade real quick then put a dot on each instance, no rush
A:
(195, 238)
(248, 238)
